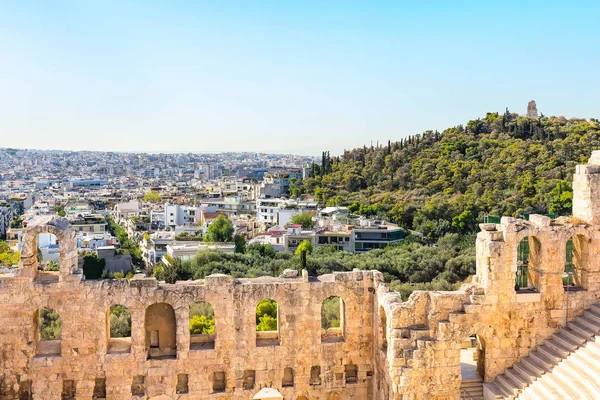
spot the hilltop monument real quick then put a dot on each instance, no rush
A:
(532, 109)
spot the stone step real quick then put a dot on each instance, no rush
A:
(565, 342)
(542, 391)
(558, 347)
(585, 389)
(516, 376)
(471, 384)
(592, 318)
(564, 385)
(566, 366)
(578, 325)
(533, 366)
(508, 384)
(593, 344)
(573, 336)
(548, 382)
(590, 385)
(525, 374)
(497, 391)
(541, 360)
(549, 353)
(593, 313)
(591, 321)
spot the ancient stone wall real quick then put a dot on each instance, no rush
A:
(426, 332)
(388, 349)
(298, 364)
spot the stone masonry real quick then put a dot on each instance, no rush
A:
(387, 348)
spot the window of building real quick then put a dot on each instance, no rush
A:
(202, 326)
(219, 382)
(332, 320)
(161, 328)
(99, 389)
(49, 332)
(119, 329)
(267, 323)
(48, 258)
(351, 373)
(248, 379)
(182, 384)
(288, 377)
(68, 390)
(527, 276)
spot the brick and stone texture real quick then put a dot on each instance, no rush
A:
(389, 349)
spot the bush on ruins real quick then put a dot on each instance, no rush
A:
(412, 261)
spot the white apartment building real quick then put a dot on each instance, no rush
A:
(7, 214)
(267, 210)
(177, 215)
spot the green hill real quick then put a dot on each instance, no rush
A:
(435, 183)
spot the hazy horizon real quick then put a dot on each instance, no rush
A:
(283, 77)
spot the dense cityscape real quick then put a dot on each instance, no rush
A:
(165, 203)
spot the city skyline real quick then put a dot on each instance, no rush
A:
(282, 77)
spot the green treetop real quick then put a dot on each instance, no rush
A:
(304, 219)
(220, 230)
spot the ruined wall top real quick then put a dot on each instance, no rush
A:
(586, 190)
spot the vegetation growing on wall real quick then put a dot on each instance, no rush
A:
(411, 261)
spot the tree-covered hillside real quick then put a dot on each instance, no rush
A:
(503, 164)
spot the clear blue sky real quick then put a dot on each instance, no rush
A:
(283, 76)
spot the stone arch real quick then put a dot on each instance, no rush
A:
(332, 319)
(118, 329)
(267, 323)
(48, 332)
(474, 346)
(528, 263)
(161, 331)
(60, 227)
(577, 261)
(382, 329)
(202, 326)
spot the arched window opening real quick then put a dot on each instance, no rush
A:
(49, 331)
(576, 250)
(267, 323)
(288, 377)
(119, 329)
(382, 329)
(472, 358)
(332, 320)
(202, 326)
(528, 253)
(161, 328)
(48, 258)
(569, 267)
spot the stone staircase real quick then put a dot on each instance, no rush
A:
(471, 389)
(566, 366)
